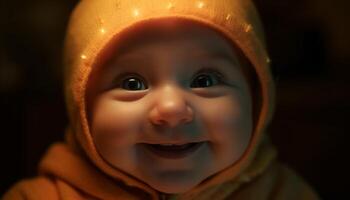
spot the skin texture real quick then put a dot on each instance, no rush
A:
(167, 63)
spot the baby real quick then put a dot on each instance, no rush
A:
(166, 100)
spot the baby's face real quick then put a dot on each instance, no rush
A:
(172, 108)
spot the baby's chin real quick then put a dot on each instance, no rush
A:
(173, 188)
(174, 182)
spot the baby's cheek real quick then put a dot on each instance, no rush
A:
(229, 127)
(224, 115)
(115, 123)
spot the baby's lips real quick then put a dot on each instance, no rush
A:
(173, 151)
(168, 143)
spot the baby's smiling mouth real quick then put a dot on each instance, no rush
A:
(173, 151)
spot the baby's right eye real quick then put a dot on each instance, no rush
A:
(133, 83)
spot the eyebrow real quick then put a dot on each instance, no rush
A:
(219, 55)
(130, 56)
(216, 55)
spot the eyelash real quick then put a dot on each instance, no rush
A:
(128, 75)
(211, 71)
(221, 80)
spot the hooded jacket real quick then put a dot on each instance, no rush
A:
(74, 170)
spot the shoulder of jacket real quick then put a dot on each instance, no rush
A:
(277, 182)
(288, 184)
(38, 188)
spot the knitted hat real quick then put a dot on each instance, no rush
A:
(94, 24)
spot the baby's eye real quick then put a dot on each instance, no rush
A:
(133, 83)
(206, 80)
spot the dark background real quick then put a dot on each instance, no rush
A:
(309, 46)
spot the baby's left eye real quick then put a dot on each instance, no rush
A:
(205, 80)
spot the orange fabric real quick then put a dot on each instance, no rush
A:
(66, 175)
(75, 170)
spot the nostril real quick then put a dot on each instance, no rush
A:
(171, 119)
(159, 122)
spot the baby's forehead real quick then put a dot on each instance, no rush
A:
(188, 54)
(194, 42)
(197, 38)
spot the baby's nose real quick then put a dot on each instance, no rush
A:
(171, 108)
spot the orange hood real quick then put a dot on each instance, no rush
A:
(95, 23)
